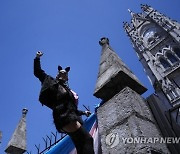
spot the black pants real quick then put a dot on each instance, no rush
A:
(82, 141)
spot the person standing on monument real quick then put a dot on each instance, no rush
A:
(56, 94)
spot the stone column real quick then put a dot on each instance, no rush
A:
(126, 125)
(125, 122)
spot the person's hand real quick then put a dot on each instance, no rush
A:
(87, 113)
(39, 54)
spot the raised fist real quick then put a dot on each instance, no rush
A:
(39, 54)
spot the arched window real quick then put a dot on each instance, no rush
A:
(171, 57)
(150, 34)
(177, 51)
(164, 63)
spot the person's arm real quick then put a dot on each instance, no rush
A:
(80, 113)
(38, 72)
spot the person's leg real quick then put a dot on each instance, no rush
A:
(80, 137)
(72, 127)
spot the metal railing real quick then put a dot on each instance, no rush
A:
(49, 142)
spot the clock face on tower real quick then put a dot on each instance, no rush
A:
(150, 35)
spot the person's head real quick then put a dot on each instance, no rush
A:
(63, 73)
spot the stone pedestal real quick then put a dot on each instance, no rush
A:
(126, 125)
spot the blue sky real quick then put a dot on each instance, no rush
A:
(67, 31)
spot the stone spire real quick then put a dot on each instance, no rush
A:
(114, 75)
(17, 144)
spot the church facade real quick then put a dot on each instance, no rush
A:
(156, 41)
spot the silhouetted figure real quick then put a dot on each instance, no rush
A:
(56, 94)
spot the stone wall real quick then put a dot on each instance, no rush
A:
(125, 117)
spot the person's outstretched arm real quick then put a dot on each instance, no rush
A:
(38, 72)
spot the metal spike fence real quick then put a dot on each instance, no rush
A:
(49, 141)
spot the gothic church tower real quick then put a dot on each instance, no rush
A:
(156, 40)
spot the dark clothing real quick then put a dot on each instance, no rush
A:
(83, 141)
(56, 95)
